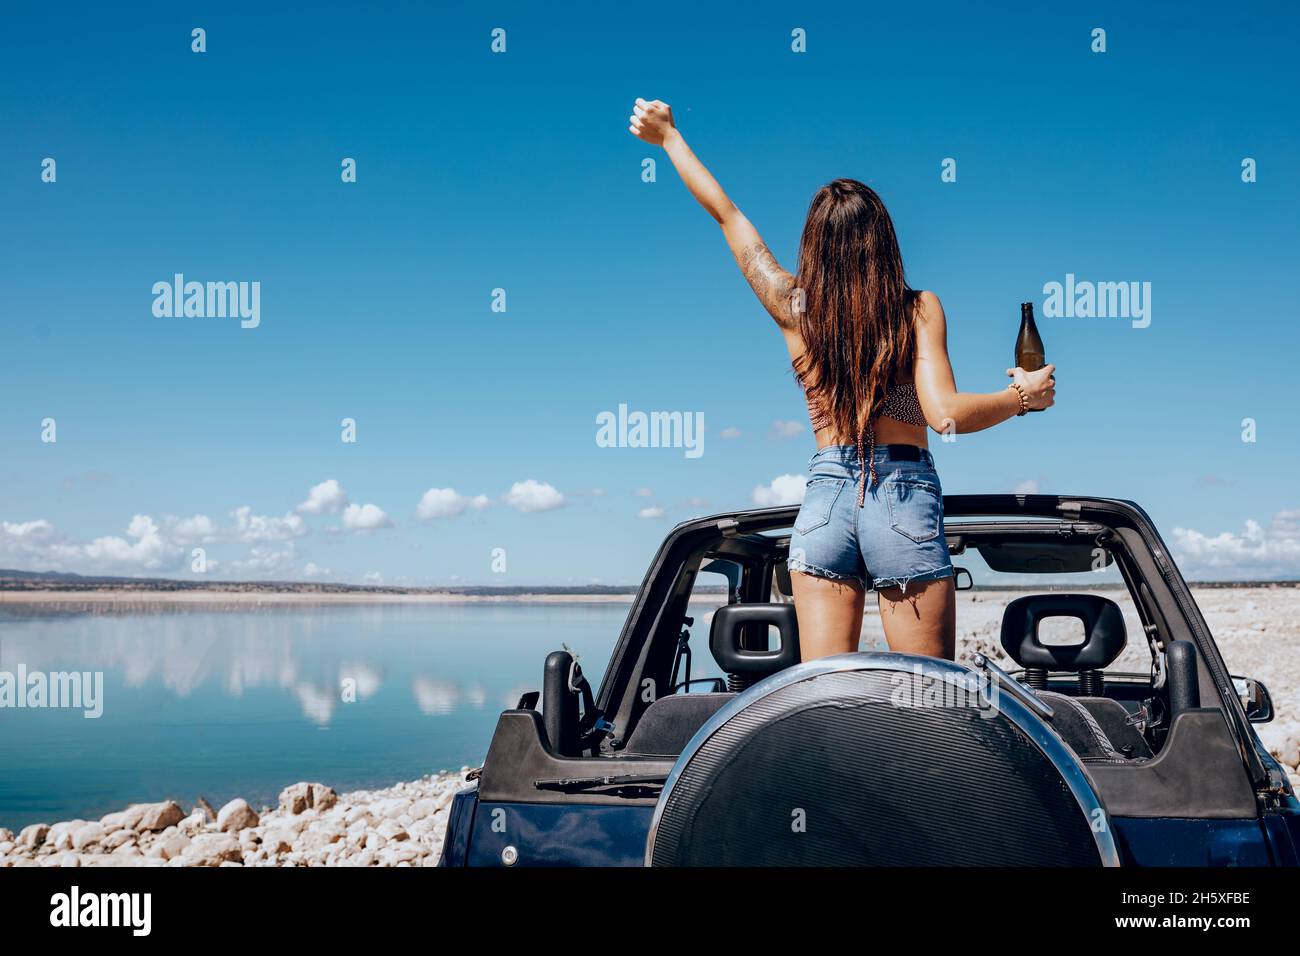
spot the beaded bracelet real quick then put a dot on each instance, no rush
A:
(1024, 399)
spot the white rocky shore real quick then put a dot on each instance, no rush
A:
(312, 826)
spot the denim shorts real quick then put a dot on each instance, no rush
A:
(894, 540)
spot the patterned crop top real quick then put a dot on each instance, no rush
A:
(901, 404)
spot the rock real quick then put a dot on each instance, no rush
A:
(116, 860)
(211, 849)
(423, 808)
(397, 855)
(393, 831)
(1282, 740)
(150, 817)
(426, 828)
(88, 834)
(169, 846)
(69, 860)
(118, 838)
(364, 858)
(60, 835)
(236, 815)
(314, 839)
(132, 815)
(277, 841)
(323, 797)
(389, 809)
(6, 836)
(296, 825)
(295, 799)
(113, 821)
(33, 836)
(194, 823)
(304, 796)
(357, 813)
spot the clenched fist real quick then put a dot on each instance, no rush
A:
(651, 120)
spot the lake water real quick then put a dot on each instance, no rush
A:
(242, 702)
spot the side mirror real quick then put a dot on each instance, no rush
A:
(962, 579)
(1255, 698)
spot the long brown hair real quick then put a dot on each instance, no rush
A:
(857, 308)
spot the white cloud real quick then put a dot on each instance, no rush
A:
(447, 503)
(152, 547)
(312, 570)
(196, 530)
(644, 493)
(652, 512)
(40, 546)
(38, 530)
(729, 433)
(372, 577)
(532, 495)
(251, 528)
(784, 490)
(148, 551)
(1029, 487)
(327, 498)
(365, 518)
(784, 429)
(1272, 551)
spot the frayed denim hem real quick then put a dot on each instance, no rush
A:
(803, 567)
(880, 584)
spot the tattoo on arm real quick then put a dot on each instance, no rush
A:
(772, 284)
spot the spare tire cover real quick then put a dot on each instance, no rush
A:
(878, 760)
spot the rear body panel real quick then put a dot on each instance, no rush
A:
(557, 835)
(586, 835)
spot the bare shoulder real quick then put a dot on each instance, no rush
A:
(928, 307)
(931, 324)
(930, 320)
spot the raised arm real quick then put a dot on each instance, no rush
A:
(947, 409)
(652, 121)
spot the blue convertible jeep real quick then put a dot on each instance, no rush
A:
(880, 758)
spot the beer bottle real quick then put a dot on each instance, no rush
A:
(1029, 344)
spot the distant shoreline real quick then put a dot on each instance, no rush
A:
(114, 596)
(255, 595)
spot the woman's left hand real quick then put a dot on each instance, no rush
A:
(651, 120)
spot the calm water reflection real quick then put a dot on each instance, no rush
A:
(225, 703)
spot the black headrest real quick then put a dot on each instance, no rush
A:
(734, 621)
(1103, 625)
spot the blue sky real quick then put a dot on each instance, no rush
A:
(478, 171)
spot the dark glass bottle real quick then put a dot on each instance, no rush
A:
(1029, 344)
